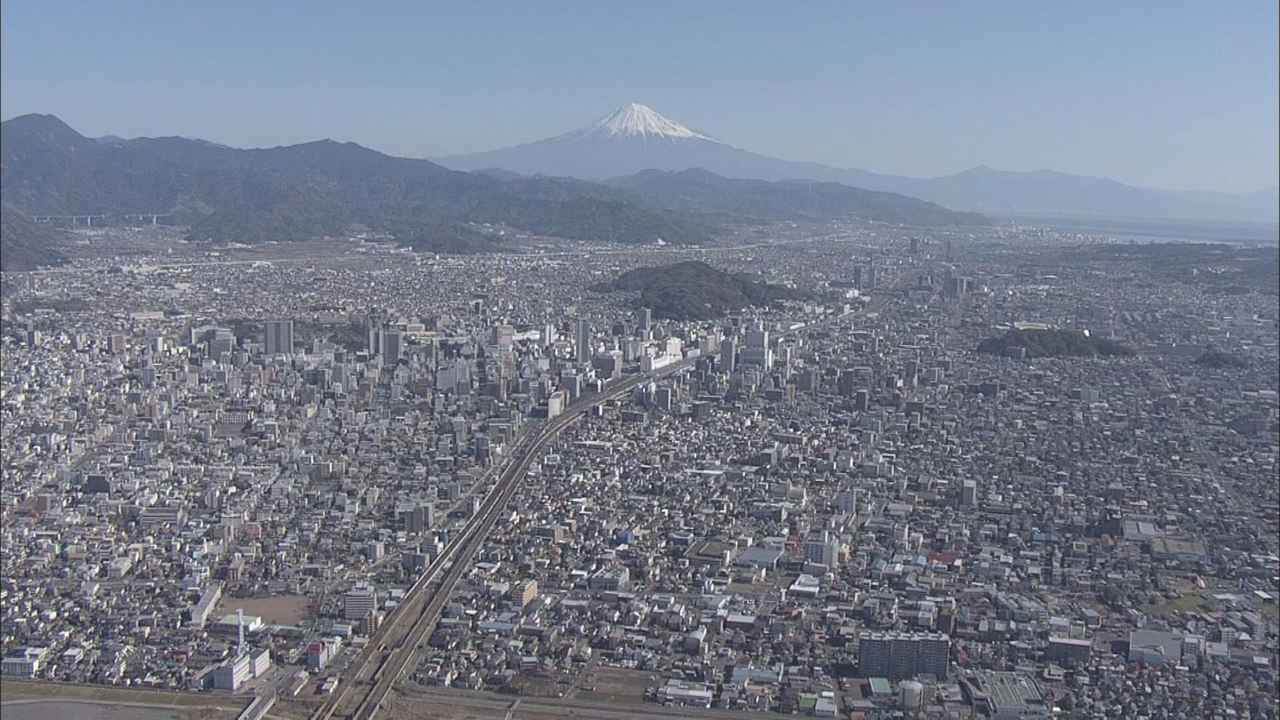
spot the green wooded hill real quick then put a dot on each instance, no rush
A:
(1053, 343)
(694, 290)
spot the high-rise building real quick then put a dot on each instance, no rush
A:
(846, 383)
(897, 655)
(810, 380)
(582, 342)
(969, 493)
(664, 397)
(571, 383)
(392, 342)
(729, 355)
(861, 400)
(115, 344)
(646, 323)
(359, 602)
(608, 365)
(822, 550)
(278, 337)
(757, 351)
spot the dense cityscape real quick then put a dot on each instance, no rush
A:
(344, 479)
(639, 361)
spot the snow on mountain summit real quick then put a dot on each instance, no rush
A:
(641, 120)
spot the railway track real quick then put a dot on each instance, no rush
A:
(395, 644)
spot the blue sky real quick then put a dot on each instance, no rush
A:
(1158, 94)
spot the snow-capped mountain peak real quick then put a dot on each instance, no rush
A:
(634, 120)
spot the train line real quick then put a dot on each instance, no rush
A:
(395, 643)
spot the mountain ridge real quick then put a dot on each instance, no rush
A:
(307, 190)
(591, 155)
(699, 190)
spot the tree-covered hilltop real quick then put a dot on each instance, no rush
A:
(694, 290)
(1053, 343)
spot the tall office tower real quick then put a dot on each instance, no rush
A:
(846, 383)
(861, 400)
(374, 345)
(857, 276)
(870, 276)
(279, 337)
(115, 344)
(582, 341)
(646, 323)
(359, 601)
(664, 397)
(729, 355)
(757, 351)
(392, 346)
(969, 493)
(809, 380)
(915, 245)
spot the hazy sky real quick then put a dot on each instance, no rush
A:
(1147, 93)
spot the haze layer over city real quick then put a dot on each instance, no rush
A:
(703, 361)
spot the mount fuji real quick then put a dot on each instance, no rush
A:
(636, 137)
(633, 138)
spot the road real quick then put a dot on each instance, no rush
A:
(393, 646)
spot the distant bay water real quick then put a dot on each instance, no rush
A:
(1149, 231)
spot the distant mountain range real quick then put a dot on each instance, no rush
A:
(328, 188)
(637, 138)
(304, 191)
(705, 192)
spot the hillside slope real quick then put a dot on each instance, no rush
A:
(304, 191)
(702, 191)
